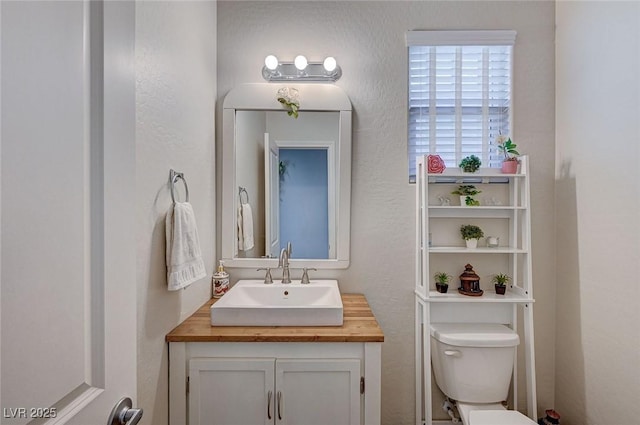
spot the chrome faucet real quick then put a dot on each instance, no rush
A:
(305, 275)
(283, 262)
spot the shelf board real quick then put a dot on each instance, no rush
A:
(488, 297)
(479, 250)
(483, 175)
(478, 208)
(437, 211)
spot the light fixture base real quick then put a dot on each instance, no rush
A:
(287, 71)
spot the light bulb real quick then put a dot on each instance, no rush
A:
(271, 62)
(300, 62)
(329, 64)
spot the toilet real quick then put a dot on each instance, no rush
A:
(473, 364)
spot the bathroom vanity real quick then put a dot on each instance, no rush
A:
(276, 374)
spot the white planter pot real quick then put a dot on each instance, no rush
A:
(463, 201)
(472, 243)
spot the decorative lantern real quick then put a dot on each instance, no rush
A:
(470, 282)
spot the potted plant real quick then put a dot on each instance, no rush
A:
(500, 280)
(467, 192)
(442, 282)
(470, 164)
(508, 149)
(471, 233)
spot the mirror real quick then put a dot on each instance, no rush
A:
(285, 179)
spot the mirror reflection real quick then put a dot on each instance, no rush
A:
(286, 180)
(286, 183)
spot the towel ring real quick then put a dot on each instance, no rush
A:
(173, 178)
(242, 190)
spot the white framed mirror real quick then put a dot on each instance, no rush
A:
(285, 179)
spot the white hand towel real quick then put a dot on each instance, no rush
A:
(184, 258)
(240, 229)
(247, 226)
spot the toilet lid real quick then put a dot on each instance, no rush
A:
(498, 417)
(475, 334)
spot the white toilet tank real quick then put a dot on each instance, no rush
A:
(473, 362)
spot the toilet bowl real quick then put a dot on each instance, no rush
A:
(473, 365)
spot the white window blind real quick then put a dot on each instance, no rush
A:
(459, 94)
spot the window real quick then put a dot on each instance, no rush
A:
(459, 94)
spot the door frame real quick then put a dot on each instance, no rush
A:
(330, 147)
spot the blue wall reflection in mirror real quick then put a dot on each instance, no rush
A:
(304, 202)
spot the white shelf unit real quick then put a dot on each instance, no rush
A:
(504, 211)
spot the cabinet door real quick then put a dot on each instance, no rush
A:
(318, 392)
(231, 391)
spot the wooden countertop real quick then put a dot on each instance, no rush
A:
(359, 325)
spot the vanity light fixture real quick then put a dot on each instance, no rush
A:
(301, 69)
(271, 62)
(300, 62)
(329, 63)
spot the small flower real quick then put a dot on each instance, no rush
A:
(288, 96)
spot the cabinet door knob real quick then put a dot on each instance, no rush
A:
(269, 404)
(279, 405)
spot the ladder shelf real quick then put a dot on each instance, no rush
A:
(504, 211)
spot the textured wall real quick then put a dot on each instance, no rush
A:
(175, 101)
(367, 39)
(597, 203)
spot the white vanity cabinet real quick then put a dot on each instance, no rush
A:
(257, 391)
(278, 375)
(230, 391)
(318, 391)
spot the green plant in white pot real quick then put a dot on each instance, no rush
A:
(471, 233)
(467, 193)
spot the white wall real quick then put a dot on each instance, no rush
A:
(367, 39)
(175, 101)
(597, 204)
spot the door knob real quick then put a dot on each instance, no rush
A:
(123, 414)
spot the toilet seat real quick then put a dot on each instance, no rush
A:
(498, 417)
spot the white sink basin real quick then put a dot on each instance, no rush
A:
(254, 303)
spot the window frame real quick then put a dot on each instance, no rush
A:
(458, 38)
